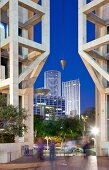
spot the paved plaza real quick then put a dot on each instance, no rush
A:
(61, 163)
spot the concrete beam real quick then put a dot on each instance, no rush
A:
(4, 84)
(3, 3)
(107, 22)
(33, 65)
(5, 43)
(95, 19)
(96, 43)
(107, 90)
(33, 55)
(94, 64)
(5, 19)
(106, 56)
(32, 6)
(95, 54)
(33, 77)
(36, 1)
(94, 77)
(37, 70)
(31, 44)
(93, 5)
(32, 21)
(30, 57)
(24, 91)
(28, 83)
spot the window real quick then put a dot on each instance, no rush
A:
(20, 34)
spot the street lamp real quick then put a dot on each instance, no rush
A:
(47, 139)
(84, 118)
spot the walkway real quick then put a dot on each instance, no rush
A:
(61, 163)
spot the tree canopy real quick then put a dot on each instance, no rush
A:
(69, 127)
(11, 119)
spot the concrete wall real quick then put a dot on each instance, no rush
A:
(10, 151)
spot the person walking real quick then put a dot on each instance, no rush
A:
(52, 150)
(40, 149)
(86, 148)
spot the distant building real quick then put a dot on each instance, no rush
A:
(71, 93)
(48, 105)
(52, 81)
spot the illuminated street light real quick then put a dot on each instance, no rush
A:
(95, 132)
(47, 139)
(84, 118)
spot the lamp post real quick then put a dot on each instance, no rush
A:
(47, 139)
(84, 118)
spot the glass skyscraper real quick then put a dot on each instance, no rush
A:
(71, 93)
(52, 81)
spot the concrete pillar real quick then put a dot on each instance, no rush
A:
(13, 33)
(27, 103)
(46, 25)
(100, 121)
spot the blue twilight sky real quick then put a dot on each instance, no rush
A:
(74, 68)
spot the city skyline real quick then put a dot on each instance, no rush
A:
(74, 68)
(53, 86)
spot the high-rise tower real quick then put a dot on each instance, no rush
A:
(52, 81)
(95, 55)
(21, 58)
(71, 93)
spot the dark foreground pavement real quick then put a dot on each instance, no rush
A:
(61, 163)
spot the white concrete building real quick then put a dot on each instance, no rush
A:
(71, 93)
(95, 55)
(21, 59)
(52, 81)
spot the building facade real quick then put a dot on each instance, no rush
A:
(52, 81)
(21, 59)
(95, 55)
(71, 93)
(45, 105)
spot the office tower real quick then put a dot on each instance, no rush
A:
(95, 55)
(52, 81)
(71, 93)
(46, 105)
(21, 59)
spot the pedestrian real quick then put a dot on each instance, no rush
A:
(86, 147)
(40, 149)
(52, 150)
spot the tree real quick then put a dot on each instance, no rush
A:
(11, 120)
(69, 127)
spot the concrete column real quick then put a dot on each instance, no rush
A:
(82, 24)
(13, 33)
(46, 25)
(27, 103)
(100, 121)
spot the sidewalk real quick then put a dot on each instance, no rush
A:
(61, 163)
